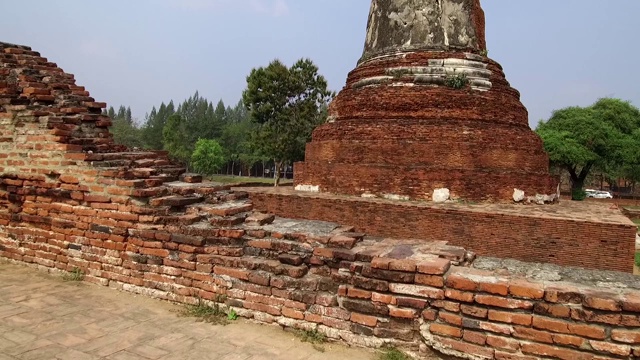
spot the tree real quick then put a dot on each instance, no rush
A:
(601, 136)
(174, 139)
(208, 157)
(152, 131)
(124, 130)
(286, 105)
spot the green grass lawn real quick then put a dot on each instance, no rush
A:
(228, 179)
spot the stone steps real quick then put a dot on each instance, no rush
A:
(250, 263)
(226, 209)
(175, 201)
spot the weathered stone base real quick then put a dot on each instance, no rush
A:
(567, 234)
(398, 128)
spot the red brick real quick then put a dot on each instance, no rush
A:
(474, 337)
(551, 325)
(403, 265)
(494, 286)
(410, 302)
(450, 318)
(568, 340)
(382, 298)
(358, 293)
(417, 290)
(497, 301)
(459, 295)
(336, 323)
(446, 330)
(380, 263)
(437, 266)
(313, 317)
(602, 301)
(431, 280)
(611, 348)
(588, 331)
(292, 313)
(526, 289)
(366, 320)
(235, 273)
(402, 313)
(500, 355)
(460, 282)
(447, 305)
(326, 299)
(553, 310)
(511, 318)
(69, 179)
(495, 328)
(566, 294)
(429, 314)
(596, 317)
(533, 335)
(499, 342)
(626, 336)
(466, 348)
(474, 311)
(631, 302)
(555, 352)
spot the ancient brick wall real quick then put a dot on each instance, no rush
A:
(365, 291)
(517, 232)
(134, 221)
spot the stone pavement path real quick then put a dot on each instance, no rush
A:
(43, 317)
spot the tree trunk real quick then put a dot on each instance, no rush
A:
(576, 186)
(233, 168)
(577, 180)
(278, 166)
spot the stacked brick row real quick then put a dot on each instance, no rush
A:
(367, 291)
(505, 317)
(543, 237)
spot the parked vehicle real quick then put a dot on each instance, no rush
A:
(603, 195)
(598, 194)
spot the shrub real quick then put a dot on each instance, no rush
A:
(578, 194)
(207, 157)
(457, 81)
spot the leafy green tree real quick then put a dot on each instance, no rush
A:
(286, 104)
(152, 131)
(208, 157)
(174, 139)
(236, 140)
(124, 130)
(111, 112)
(601, 136)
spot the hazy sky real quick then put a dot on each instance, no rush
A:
(139, 53)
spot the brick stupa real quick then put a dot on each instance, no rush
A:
(426, 110)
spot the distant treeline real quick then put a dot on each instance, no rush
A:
(230, 126)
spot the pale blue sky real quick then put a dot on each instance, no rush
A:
(139, 53)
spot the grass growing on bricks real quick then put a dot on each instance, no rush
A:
(74, 275)
(457, 81)
(213, 314)
(392, 353)
(312, 336)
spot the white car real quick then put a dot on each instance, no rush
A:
(602, 195)
(591, 193)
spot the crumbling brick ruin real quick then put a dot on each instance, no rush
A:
(134, 221)
(426, 110)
